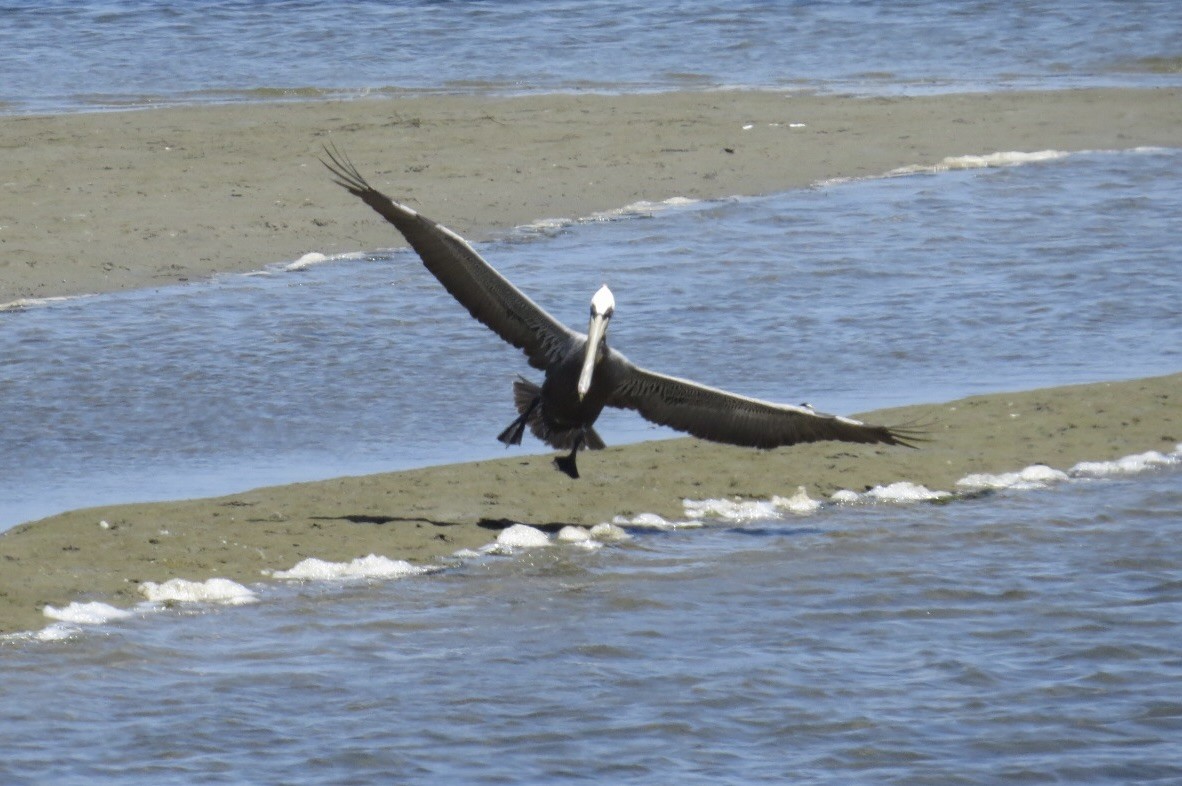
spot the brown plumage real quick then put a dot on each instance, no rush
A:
(582, 374)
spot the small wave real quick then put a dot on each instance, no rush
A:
(986, 161)
(1034, 477)
(25, 303)
(522, 536)
(216, 590)
(70, 619)
(1129, 465)
(371, 567)
(901, 492)
(743, 511)
(640, 209)
(313, 258)
(995, 160)
(1037, 476)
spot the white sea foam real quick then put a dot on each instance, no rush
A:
(1127, 465)
(21, 304)
(93, 613)
(547, 225)
(1036, 476)
(609, 533)
(577, 536)
(522, 536)
(313, 258)
(799, 503)
(987, 161)
(968, 161)
(741, 510)
(215, 590)
(737, 511)
(572, 534)
(58, 631)
(732, 510)
(905, 491)
(306, 261)
(70, 621)
(899, 492)
(642, 208)
(651, 521)
(371, 567)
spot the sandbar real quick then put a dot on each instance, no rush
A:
(108, 201)
(421, 515)
(112, 201)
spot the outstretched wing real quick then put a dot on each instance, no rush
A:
(486, 294)
(713, 414)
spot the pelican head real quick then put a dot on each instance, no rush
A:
(602, 306)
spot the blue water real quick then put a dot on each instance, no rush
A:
(1017, 638)
(851, 297)
(85, 55)
(1024, 638)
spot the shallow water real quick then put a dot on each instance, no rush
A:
(851, 297)
(1023, 637)
(1028, 637)
(87, 55)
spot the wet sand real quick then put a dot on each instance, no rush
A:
(112, 201)
(423, 514)
(101, 202)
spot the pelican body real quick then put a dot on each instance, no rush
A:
(582, 374)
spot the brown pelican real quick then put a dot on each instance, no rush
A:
(582, 375)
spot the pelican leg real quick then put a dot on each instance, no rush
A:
(567, 463)
(516, 430)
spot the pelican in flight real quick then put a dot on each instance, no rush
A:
(582, 374)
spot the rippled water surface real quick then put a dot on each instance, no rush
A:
(1027, 637)
(851, 297)
(1019, 637)
(80, 55)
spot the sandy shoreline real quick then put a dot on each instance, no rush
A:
(110, 201)
(105, 202)
(420, 515)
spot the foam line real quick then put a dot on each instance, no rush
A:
(371, 567)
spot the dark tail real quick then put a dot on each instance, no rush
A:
(526, 397)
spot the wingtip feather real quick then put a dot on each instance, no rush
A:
(907, 434)
(345, 174)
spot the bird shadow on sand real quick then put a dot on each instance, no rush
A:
(494, 525)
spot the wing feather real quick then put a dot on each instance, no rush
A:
(488, 296)
(719, 416)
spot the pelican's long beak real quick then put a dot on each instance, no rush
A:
(602, 306)
(595, 333)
